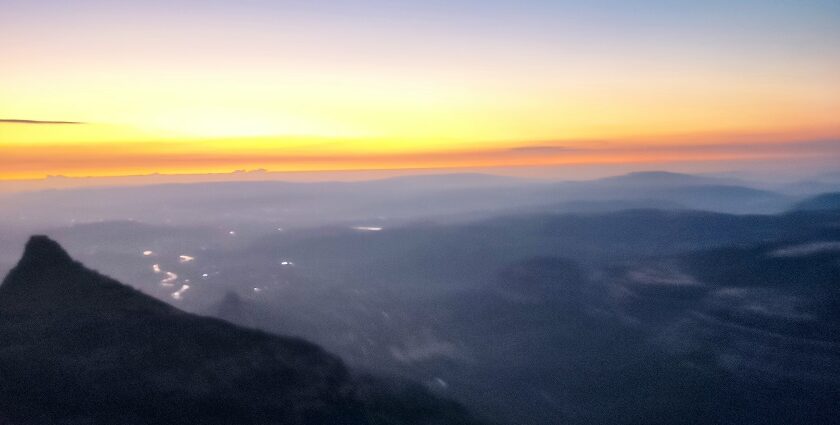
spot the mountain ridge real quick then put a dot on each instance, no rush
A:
(44, 280)
(80, 347)
(820, 202)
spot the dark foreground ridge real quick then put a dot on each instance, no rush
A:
(81, 348)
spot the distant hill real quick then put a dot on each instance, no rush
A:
(659, 178)
(690, 191)
(826, 201)
(81, 348)
(395, 200)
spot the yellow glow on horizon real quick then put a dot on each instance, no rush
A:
(336, 86)
(228, 117)
(24, 160)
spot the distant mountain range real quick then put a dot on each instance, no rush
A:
(394, 200)
(826, 201)
(81, 348)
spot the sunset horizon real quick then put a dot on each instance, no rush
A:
(417, 212)
(96, 89)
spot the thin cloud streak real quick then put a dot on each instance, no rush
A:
(38, 122)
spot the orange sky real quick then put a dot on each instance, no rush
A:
(222, 155)
(144, 88)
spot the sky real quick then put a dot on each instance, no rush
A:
(110, 88)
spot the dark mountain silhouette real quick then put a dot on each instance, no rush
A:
(826, 201)
(81, 348)
(47, 281)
